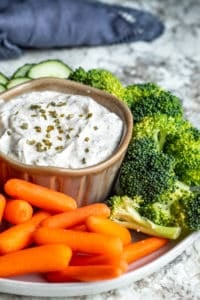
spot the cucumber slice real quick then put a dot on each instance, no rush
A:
(17, 81)
(2, 88)
(22, 71)
(3, 79)
(50, 68)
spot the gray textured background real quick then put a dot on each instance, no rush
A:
(173, 61)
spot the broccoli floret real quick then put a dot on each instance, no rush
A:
(125, 211)
(192, 209)
(100, 79)
(145, 171)
(185, 148)
(190, 176)
(134, 93)
(158, 127)
(160, 212)
(186, 212)
(167, 220)
(177, 191)
(105, 80)
(149, 99)
(79, 75)
(177, 138)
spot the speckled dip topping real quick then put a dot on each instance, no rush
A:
(48, 128)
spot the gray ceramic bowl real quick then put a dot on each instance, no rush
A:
(86, 185)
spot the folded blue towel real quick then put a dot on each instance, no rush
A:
(70, 23)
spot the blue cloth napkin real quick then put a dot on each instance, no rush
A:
(70, 23)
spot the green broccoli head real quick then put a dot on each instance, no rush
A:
(190, 176)
(126, 211)
(79, 75)
(177, 191)
(100, 79)
(186, 212)
(157, 212)
(145, 171)
(180, 215)
(159, 127)
(134, 93)
(149, 99)
(160, 212)
(185, 148)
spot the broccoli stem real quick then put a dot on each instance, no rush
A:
(171, 233)
(135, 221)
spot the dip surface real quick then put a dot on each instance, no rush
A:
(49, 128)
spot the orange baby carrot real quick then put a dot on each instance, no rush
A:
(137, 250)
(39, 196)
(2, 206)
(17, 211)
(76, 217)
(79, 241)
(40, 259)
(107, 226)
(95, 259)
(85, 273)
(20, 236)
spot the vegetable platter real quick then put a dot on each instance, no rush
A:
(151, 216)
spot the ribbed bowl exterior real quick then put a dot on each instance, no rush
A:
(88, 188)
(87, 185)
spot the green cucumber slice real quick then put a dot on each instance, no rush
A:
(2, 88)
(22, 71)
(3, 79)
(17, 81)
(50, 68)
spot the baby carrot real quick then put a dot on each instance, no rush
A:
(107, 226)
(95, 259)
(137, 250)
(87, 242)
(20, 236)
(17, 211)
(85, 273)
(2, 206)
(39, 196)
(76, 217)
(40, 259)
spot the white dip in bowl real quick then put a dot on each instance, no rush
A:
(48, 128)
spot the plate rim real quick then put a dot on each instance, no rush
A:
(40, 289)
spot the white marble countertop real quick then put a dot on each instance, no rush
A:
(172, 61)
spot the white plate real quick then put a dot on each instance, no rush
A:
(34, 285)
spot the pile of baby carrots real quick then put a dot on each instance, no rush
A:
(43, 231)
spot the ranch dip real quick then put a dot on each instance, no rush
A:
(49, 128)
